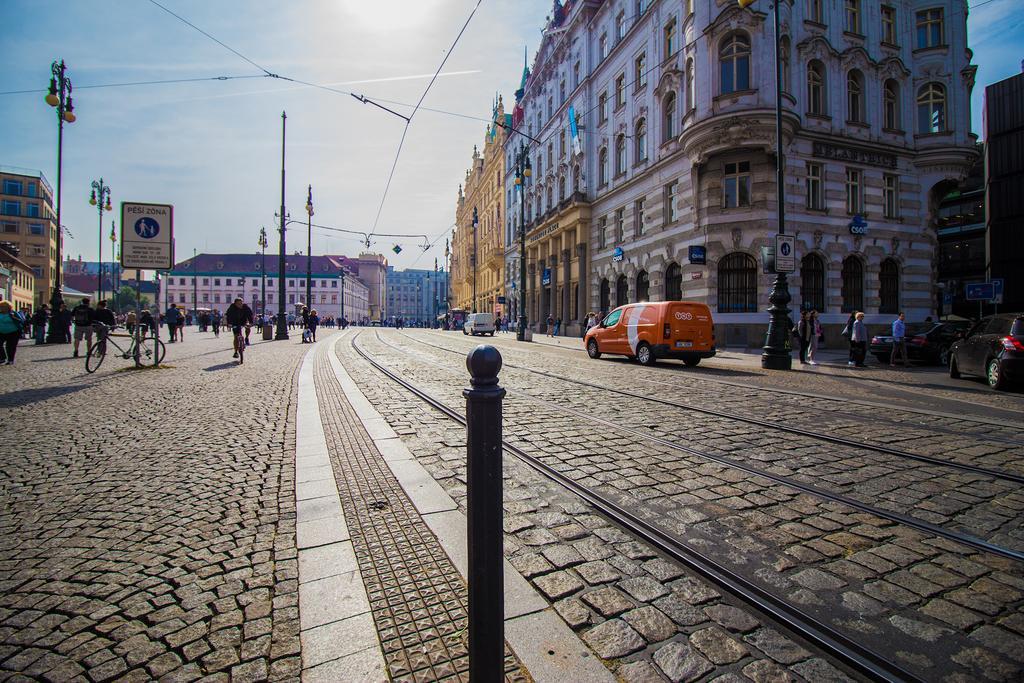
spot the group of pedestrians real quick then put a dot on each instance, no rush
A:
(809, 335)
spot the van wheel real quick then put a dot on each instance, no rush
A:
(691, 362)
(592, 349)
(465, 333)
(645, 355)
(954, 369)
(994, 377)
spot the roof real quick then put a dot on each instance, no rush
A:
(249, 264)
(8, 257)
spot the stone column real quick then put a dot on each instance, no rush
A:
(566, 286)
(553, 287)
(583, 300)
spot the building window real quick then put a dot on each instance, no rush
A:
(620, 225)
(853, 285)
(784, 61)
(575, 84)
(10, 207)
(620, 26)
(32, 210)
(816, 88)
(734, 57)
(891, 196)
(602, 232)
(602, 47)
(671, 44)
(206, 298)
(621, 291)
(889, 287)
(35, 228)
(602, 167)
(12, 186)
(668, 122)
(620, 155)
(736, 185)
(674, 283)
(638, 217)
(855, 96)
(216, 282)
(812, 283)
(931, 108)
(641, 6)
(670, 202)
(737, 284)
(602, 107)
(606, 296)
(815, 11)
(11, 228)
(691, 98)
(37, 271)
(854, 191)
(181, 280)
(889, 25)
(815, 187)
(643, 286)
(853, 16)
(620, 91)
(891, 105)
(929, 28)
(640, 141)
(216, 298)
(641, 70)
(561, 144)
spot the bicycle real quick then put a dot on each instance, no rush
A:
(146, 348)
(239, 343)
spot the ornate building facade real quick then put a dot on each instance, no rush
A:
(478, 251)
(673, 191)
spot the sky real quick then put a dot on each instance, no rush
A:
(212, 148)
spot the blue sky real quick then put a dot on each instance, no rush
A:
(213, 148)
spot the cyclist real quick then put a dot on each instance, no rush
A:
(237, 315)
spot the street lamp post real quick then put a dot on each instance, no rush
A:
(433, 307)
(282, 322)
(100, 192)
(447, 283)
(476, 222)
(195, 287)
(263, 273)
(59, 96)
(776, 355)
(342, 292)
(114, 271)
(309, 249)
(522, 175)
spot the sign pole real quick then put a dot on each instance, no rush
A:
(138, 314)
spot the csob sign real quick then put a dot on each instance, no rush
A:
(698, 255)
(545, 278)
(618, 254)
(858, 226)
(147, 236)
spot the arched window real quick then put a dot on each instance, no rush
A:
(640, 140)
(691, 96)
(621, 291)
(889, 287)
(734, 60)
(891, 104)
(643, 286)
(620, 155)
(576, 178)
(855, 96)
(668, 122)
(812, 283)
(737, 284)
(561, 188)
(816, 88)
(602, 166)
(674, 283)
(606, 296)
(853, 284)
(931, 108)
(784, 60)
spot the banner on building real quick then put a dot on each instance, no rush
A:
(574, 132)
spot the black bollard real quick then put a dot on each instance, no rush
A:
(483, 494)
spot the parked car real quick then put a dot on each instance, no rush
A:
(927, 342)
(993, 348)
(479, 323)
(663, 329)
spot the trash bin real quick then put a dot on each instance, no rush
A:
(268, 332)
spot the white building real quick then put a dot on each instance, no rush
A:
(676, 109)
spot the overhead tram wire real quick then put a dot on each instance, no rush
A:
(168, 81)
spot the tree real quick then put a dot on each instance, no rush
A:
(125, 299)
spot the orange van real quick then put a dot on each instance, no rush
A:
(648, 331)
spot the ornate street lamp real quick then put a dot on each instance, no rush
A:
(114, 272)
(522, 177)
(309, 249)
(282, 319)
(263, 273)
(59, 96)
(99, 193)
(476, 222)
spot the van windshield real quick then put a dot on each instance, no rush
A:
(613, 318)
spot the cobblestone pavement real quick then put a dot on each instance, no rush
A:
(935, 606)
(975, 504)
(147, 522)
(417, 597)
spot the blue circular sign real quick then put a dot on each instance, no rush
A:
(785, 248)
(147, 228)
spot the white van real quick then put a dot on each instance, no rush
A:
(479, 323)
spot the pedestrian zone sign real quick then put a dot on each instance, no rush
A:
(785, 253)
(147, 236)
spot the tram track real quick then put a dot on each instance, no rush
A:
(920, 525)
(853, 654)
(838, 440)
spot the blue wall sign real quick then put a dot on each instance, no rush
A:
(698, 255)
(618, 254)
(545, 278)
(980, 291)
(858, 226)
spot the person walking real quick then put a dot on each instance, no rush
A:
(11, 326)
(129, 322)
(803, 331)
(39, 319)
(64, 323)
(899, 341)
(817, 336)
(551, 325)
(312, 322)
(859, 340)
(83, 317)
(848, 334)
(146, 324)
(171, 317)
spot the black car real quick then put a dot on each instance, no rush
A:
(993, 348)
(926, 342)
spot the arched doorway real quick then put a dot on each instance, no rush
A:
(853, 284)
(812, 283)
(889, 287)
(621, 291)
(643, 286)
(674, 283)
(606, 296)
